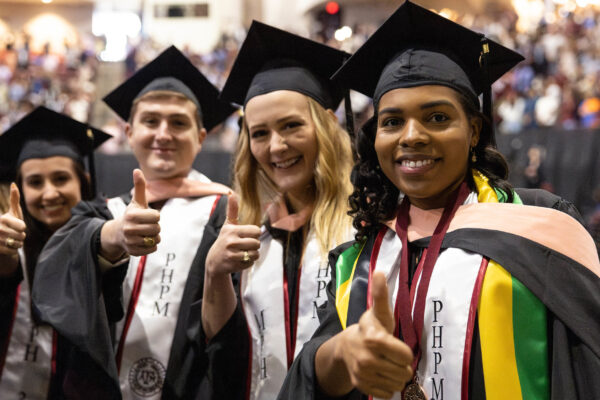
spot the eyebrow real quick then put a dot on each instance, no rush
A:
(279, 121)
(54, 172)
(160, 114)
(431, 104)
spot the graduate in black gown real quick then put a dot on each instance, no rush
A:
(455, 288)
(160, 232)
(44, 154)
(291, 173)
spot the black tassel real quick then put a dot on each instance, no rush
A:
(91, 164)
(487, 87)
(349, 115)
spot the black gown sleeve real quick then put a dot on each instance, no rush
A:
(187, 360)
(574, 366)
(71, 294)
(301, 380)
(543, 198)
(8, 292)
(228, 357)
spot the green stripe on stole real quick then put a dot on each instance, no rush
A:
(344, 274)
(529, 324)
(531, 339)
(531, 342)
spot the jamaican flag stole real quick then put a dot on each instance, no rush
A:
(511, 320)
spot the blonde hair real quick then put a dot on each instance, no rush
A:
(329, 221)
(160, 95)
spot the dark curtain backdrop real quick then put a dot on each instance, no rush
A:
(571, 162)
(114, 172)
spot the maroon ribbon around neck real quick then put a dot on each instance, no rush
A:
(412, 329)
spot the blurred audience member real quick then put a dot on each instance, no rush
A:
(511, 110)
(589, 111)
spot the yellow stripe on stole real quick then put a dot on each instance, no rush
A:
(343, 293)
(342, 296)
(486, 193)
(497, 337)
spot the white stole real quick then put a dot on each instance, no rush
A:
(262, 288)
(446, 314)
(150, 334)
(28, 363)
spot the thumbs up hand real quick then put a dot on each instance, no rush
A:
(12, 233)
(140, 229)
(15, 202)
(136, 232)
(237, 246)
(232, 209)
(378, 363)
(139, 189)
(381, 307)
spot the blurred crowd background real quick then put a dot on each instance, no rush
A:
(547, 109)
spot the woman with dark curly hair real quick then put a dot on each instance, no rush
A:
(485, 299)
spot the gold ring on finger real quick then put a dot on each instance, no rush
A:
(246, 257)
(10, 242)
(149, 241)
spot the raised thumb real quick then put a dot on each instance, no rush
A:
(381, 305)
(15, 205)
(232, 209)
(139, 188)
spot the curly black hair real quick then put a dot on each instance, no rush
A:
(375, 197)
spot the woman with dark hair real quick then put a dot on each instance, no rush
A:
(43, 153)
(485, 299)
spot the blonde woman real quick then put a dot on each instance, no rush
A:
(292, 172)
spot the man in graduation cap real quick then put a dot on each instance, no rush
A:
(161, 229)
(44, 154)
(464, 290)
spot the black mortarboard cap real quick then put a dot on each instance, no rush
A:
(171, 71)
(45, 133)
(271, 59)
(417, 47)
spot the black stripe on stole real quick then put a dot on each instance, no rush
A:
(357, 304)
(568, 289)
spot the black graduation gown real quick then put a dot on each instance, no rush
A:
(574, 362)
(75, 372)
(228, 353)
(69, 262)
(8, 291)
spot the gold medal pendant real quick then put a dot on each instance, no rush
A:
(414, 392)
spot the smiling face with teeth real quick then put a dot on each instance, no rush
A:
(423, 140)
(284, 143)
(50, 189)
